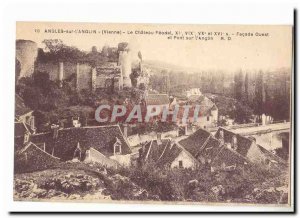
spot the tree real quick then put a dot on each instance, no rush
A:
(58, 51)
(238, 86)
(41, 120)
(246, 88)
(17, 69)
(242, 113)
(258, 98)
(122, 46)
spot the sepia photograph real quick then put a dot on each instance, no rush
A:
(180, 114)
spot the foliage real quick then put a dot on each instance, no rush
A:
(58, 51)
(40, 93)
(236, 110)
(238, 86)
(202, 185)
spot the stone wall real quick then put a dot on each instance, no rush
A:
(84, 77)
(52, 68)
(93, 155)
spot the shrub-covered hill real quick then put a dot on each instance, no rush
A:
(78, 181)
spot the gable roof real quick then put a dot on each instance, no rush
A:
(229, 157)
(194, 142)
(46, 138)
(243, 143)
(157, 99)
(162, 154)
(32, 158)
(205, 104)
(195, 98)
(271, 156)
(211, 148)
(153, 150)
(20, 129)
(102, 159)
(20, 108)
(170, 153)
(101, 138)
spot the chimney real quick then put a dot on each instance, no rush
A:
(125, 131)
(61, 124)
(32, 124)
(221, 137)
(158, 135)
(76, 122)
(234, 142)
(55, 128)
(185, 130)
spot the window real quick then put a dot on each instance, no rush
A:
(117, 149)
(26, 138)
(180, 164)
(207, 118)
(87, 153)
(77, 152)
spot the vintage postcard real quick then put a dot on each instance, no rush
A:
(154, 113)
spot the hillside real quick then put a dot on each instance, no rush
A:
(79, 181)
(160, 65)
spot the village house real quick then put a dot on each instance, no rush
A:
(23, 114)
(210, 151)
(165, 153)
(103, 144)
(193, 92)
(22, 134)
(247, 148)
(160, 100)
(24, 122)
(32, 158)
(208, 113)
(225, 151)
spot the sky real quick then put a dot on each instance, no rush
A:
(241, 52)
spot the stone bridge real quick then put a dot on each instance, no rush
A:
(270, 136)
(274, 127)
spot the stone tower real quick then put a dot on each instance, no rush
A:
(125, 63)
(26, 54)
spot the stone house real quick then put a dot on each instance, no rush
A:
(227, 151)
(24, 123)
(167, 154)
(104, 144)
(23, 113)
(32, 158)
(249, 149)
(208, 114)
(22, 135)
(92, 156)
(161, 100)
